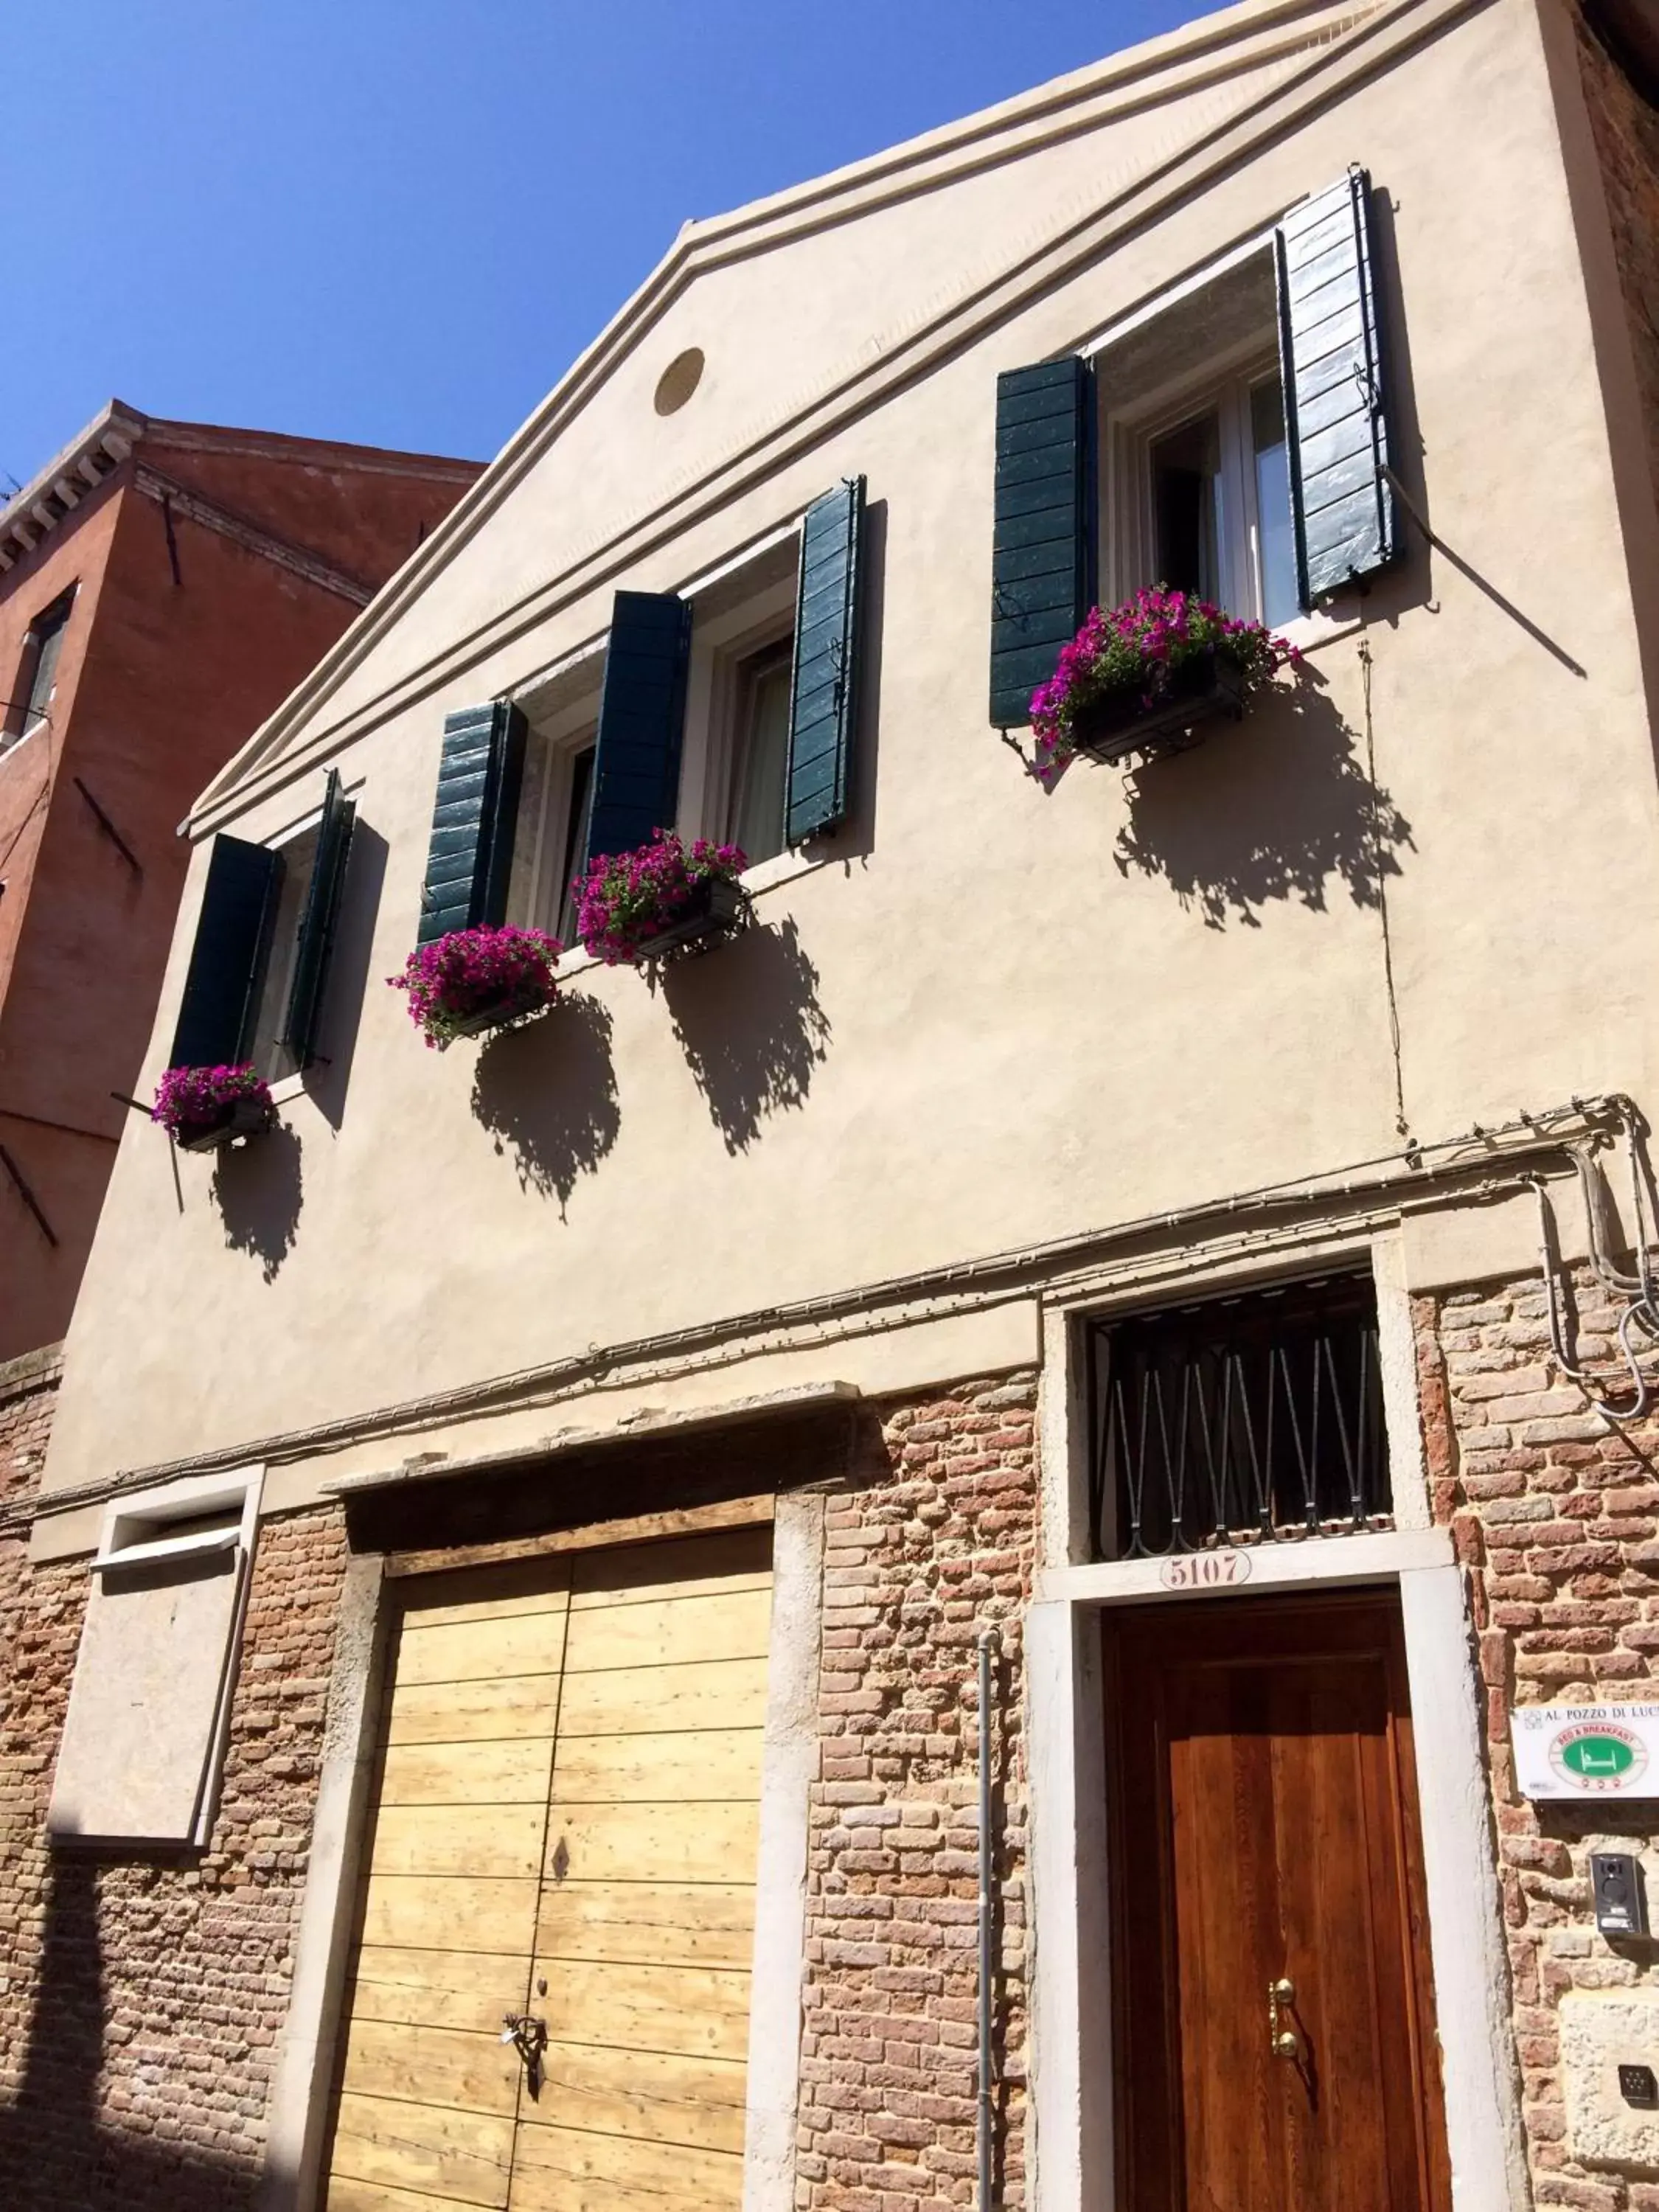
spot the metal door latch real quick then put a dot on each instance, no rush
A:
(528, 2036)
(1283, 2042)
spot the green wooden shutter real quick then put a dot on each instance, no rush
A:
(471, 856)
(637, 764)
(1042, 545)
(825, 700)
(228, 960)
(315, 940)
(1331, 360)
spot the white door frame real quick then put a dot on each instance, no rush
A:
(1074, 2151)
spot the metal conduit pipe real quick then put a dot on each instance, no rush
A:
(990, 1642)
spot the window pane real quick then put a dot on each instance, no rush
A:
(299, 859)
(763, 754)
(1279, 602)
(1186, 504)
(39, 672)
(575, 842)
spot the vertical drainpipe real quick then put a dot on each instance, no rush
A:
(988, 1644)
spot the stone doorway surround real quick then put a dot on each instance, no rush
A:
(1074, 2153)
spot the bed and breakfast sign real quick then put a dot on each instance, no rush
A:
(1586, 1752)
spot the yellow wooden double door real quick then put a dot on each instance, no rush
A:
(565, 1827)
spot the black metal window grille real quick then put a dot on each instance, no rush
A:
(1239, 1420)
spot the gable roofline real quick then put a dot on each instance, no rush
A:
(94, 453)
(1337, 44)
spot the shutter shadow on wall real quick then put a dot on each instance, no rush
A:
(226, 961)
(315, 941)
(1042, 543)
(636, 763)
(824, 699)
(473, 818)
(1331, 362)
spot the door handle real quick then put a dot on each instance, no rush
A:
(528, 2036)
(1283, 2042)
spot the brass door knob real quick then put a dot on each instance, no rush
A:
(1283, 2042)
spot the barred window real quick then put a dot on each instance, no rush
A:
(1239, 1420)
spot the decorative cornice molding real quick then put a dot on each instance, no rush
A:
(1348, 46)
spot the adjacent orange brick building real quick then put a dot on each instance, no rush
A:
(162, 587)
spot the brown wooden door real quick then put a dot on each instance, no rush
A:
(1264, 1828)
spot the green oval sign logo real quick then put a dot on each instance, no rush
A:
(1597, 1758)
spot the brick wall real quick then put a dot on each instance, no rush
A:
(1556, 1518)
(938, 1544)
(141, 1998)
(1626, 132)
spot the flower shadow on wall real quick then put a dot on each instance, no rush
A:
(1277, 806)
(547, 1094)
(749, 1022)
(258, 1191)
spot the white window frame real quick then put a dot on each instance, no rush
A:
(28, 665)
(1128, 534)
(534, 895)
(714, 692)
(134, 1533)
(291, 1083)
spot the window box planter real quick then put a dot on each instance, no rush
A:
(1140, 678)
(202, 1108)
(511, 1006)
(236, 1119)
(714, 909)
(662, 901)
(1111, 728)
(472, 981)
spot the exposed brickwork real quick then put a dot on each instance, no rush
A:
(1557, 1520)
(141, 1998)
(29, 1394)
(1626, 132)
(939, 1544)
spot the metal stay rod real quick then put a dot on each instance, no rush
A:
(989, 1643)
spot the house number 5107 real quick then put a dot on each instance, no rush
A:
(1196, 1571)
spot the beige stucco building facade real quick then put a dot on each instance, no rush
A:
(882, 1224)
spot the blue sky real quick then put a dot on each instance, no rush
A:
(398, 221)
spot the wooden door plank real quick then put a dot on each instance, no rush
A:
(473, 2072)
(594, 1535)
(704, 1924)
(706, 1566)
(696, 2011)
(495, 1709)
(345, 2194)
(634, 1700)
(460, 1990)
(478, 1841)
(563, 2169)
(671, 1631)
(429, 1912)
(686, 1766)
(503, 1770)
(481, 1650)
(651, 2095)
(515, 1597)
(464, 2156)
(651, 1843)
